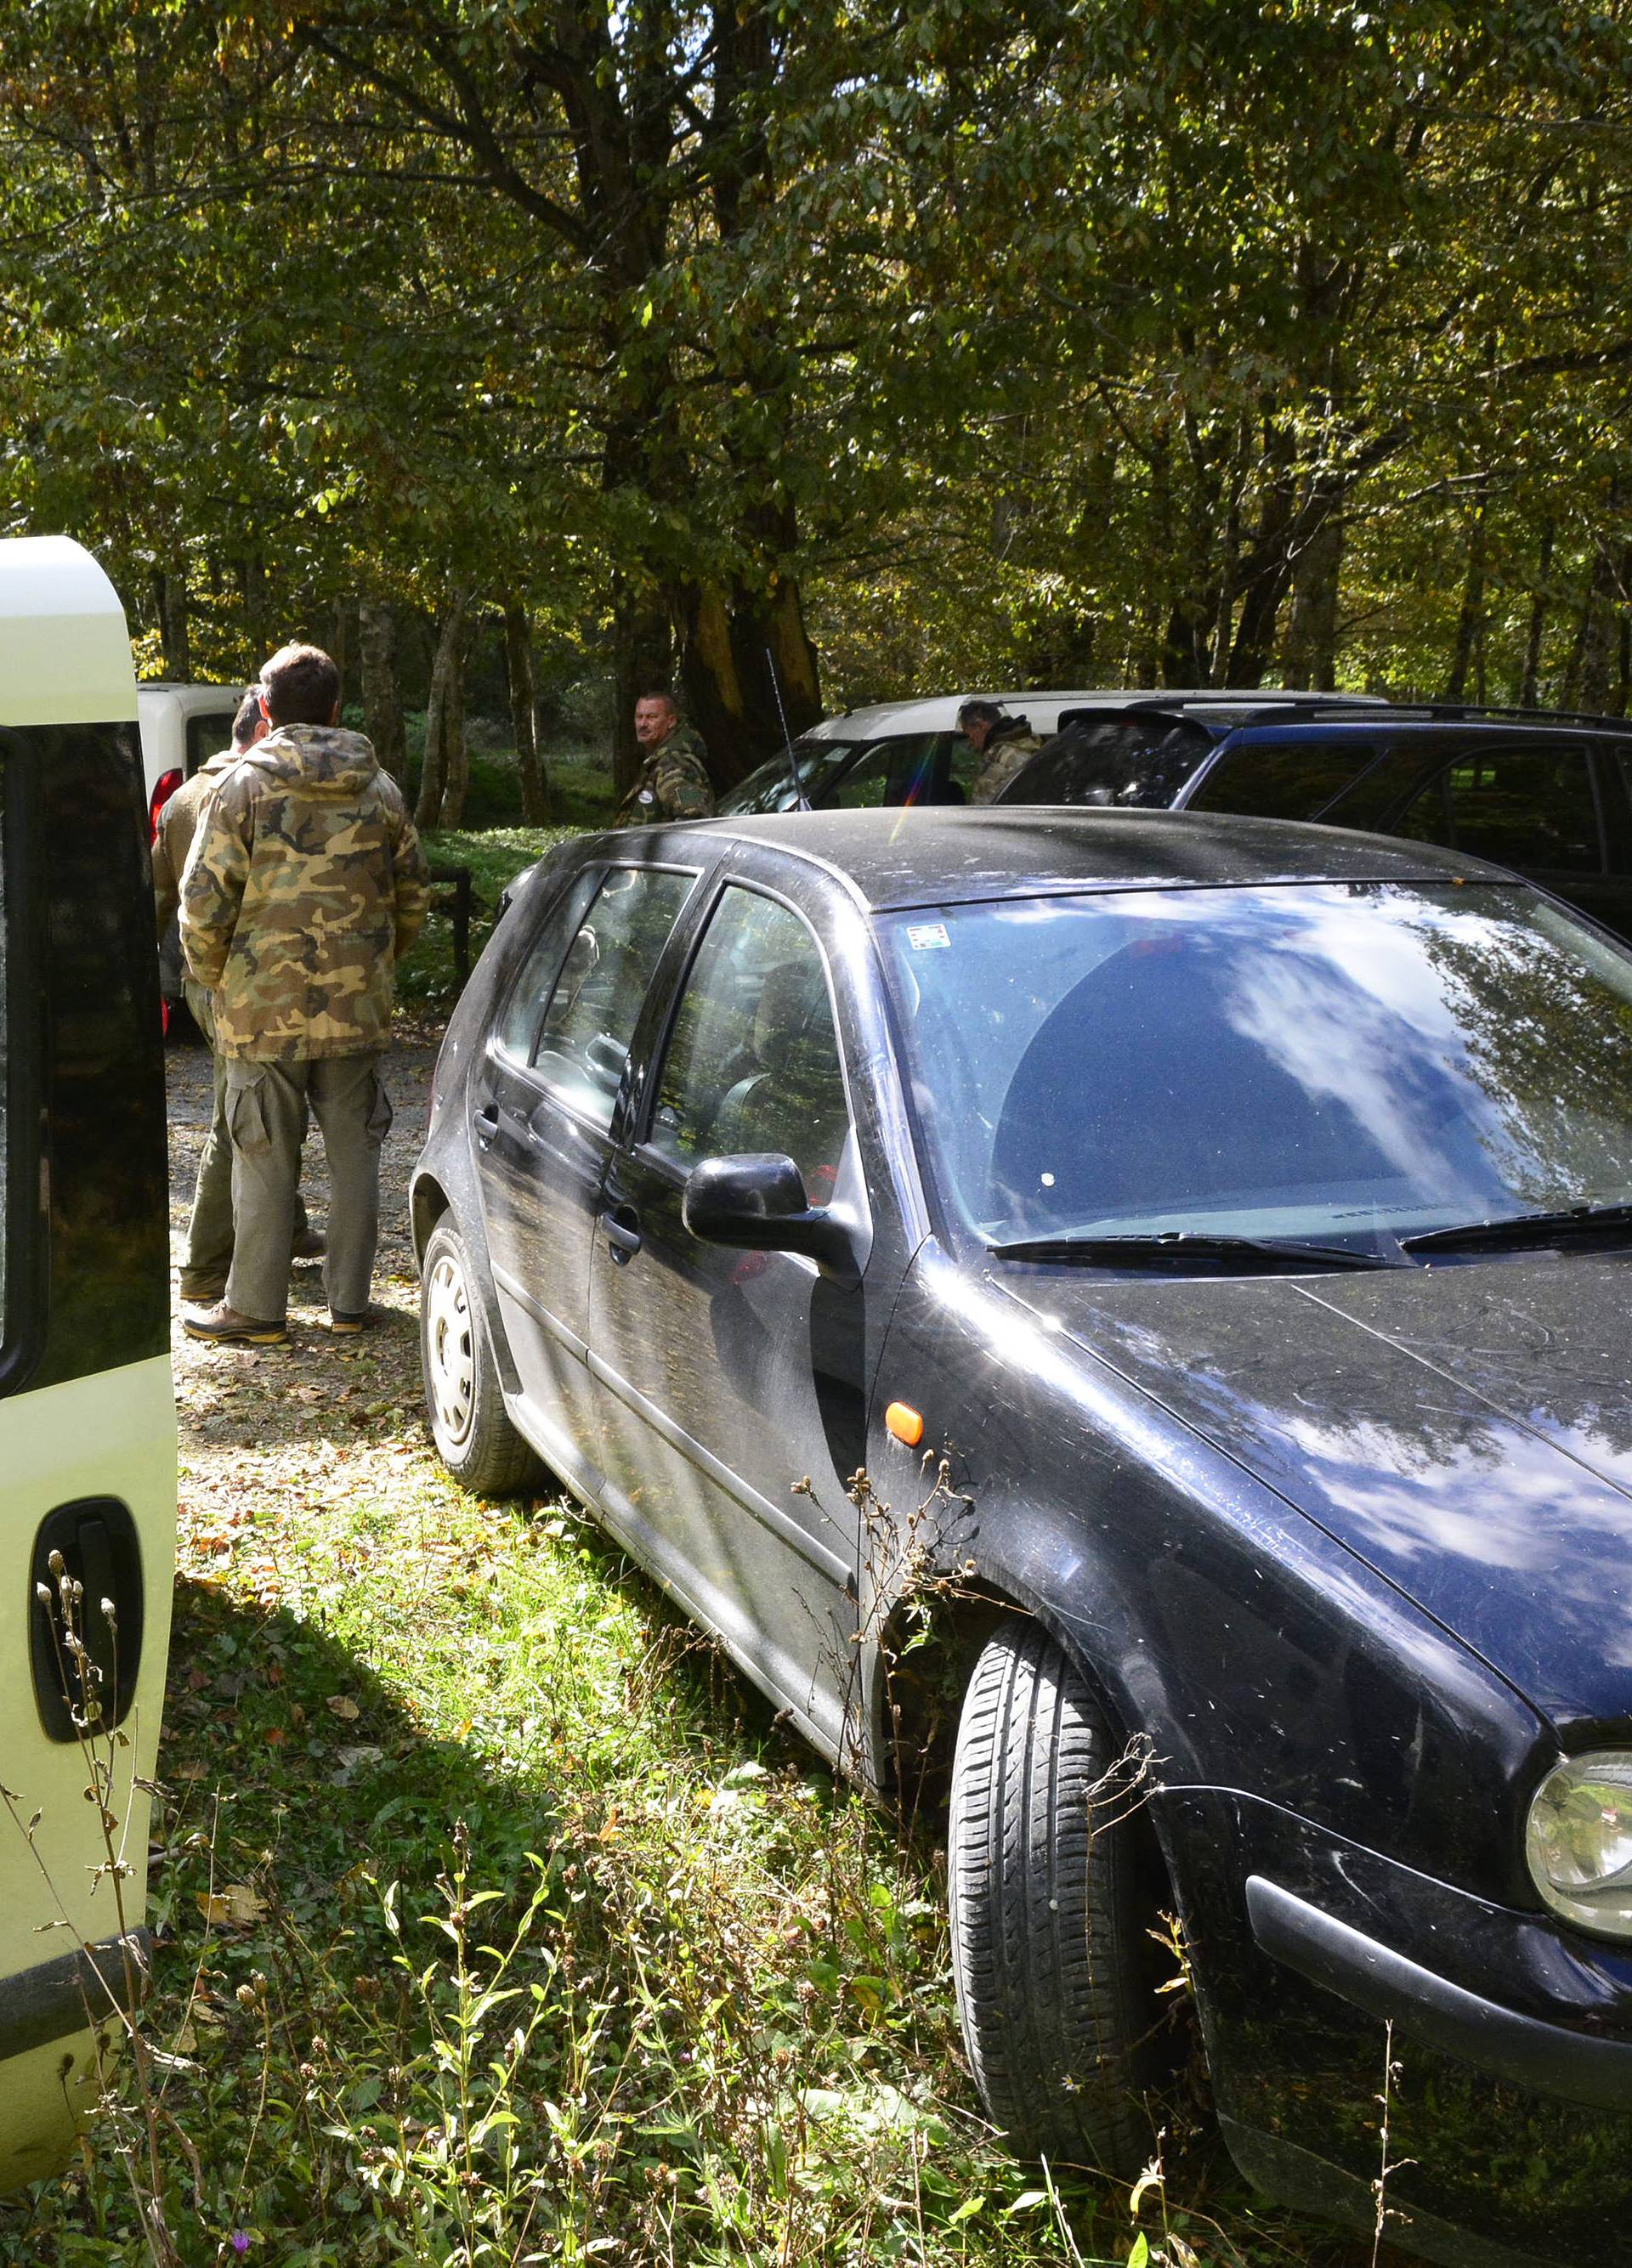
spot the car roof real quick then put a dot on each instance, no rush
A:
(1364, 717)
(938, 712)
(941, 855)
(189, 697)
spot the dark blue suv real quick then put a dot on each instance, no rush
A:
(1542, 792)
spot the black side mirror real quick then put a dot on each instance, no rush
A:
(756, 1202)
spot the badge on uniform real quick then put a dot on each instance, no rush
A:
(646, 796)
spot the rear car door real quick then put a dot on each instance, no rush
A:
(733, 1386)
(87, 1417)
(542, 1099)
(1534, 805)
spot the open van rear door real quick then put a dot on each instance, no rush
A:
(87, 1419)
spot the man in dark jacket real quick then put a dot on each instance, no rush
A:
(1002, 743)
(305, 885)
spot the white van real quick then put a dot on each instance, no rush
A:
(87, 1421)
(182, 727)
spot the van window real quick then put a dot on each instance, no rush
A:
(5, 1047)
(207, 734)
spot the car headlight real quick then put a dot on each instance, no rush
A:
(1579, 1841)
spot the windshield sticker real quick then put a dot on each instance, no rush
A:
(925, 937)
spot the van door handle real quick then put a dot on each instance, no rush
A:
(486, 1123)
(623, 1233)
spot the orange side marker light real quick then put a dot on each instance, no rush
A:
(904, 1423)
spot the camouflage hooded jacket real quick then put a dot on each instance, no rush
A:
(305, 883)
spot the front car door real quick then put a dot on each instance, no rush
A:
(732, 1387)
(542, 1100)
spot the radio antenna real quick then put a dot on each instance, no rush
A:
(801, 801)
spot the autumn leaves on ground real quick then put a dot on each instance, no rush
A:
(497, 1920)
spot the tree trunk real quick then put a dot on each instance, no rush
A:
(1594, 643)
(1531, 678)
(524, 714)
(1622, 693)
(252, 581)
(340, 644)
(1310, 662)
(170, 611)
(456, 784)
(1470, 616)
(443, 710)
(382, 689)
(750, 674)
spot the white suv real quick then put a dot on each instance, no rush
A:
(902, 751)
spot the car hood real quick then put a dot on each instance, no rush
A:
(1465, 1429)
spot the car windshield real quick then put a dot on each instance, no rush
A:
(1139, 762)
(770, 787)
(1342, 1063)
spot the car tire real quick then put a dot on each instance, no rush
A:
(464, 1405)
(1050, 1911)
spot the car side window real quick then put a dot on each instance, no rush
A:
(1284, 779)
(1529, 807)
(583, 1042)
(753, 1063)
(863, 786)
(517, 1028)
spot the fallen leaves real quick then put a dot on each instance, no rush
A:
(344, 1707)
(235, 1907)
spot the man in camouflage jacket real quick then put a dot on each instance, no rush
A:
(209, 1229)
(673, 783)
(1002, 743)
(305, 885)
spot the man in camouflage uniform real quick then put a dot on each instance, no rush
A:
(305, 885)
(1002, 743)
(210, 1229)
(673, 783)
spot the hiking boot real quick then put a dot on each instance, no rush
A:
(223, 1326)
(346, 1325)
(310, 1244)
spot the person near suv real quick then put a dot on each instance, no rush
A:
(305, 884)
(1002, 743)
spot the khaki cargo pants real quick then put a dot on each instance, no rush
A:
(210, 1229)
(267, 1105)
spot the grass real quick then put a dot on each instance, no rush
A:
(500, 1923)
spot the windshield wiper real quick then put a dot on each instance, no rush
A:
(1189, 1244)
(1520, 1228)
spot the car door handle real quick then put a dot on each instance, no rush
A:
(623, 1232)
(486, 1123)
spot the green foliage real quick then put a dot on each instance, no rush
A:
(1063, 344)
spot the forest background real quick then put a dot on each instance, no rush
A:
(913, 348)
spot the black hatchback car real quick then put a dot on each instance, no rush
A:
(1544, 793)
(1211, 1239)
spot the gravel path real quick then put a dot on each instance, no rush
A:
(258, 1424)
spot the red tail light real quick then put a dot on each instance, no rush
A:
(164, 787)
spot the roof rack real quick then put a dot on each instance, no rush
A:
(1470, 713)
